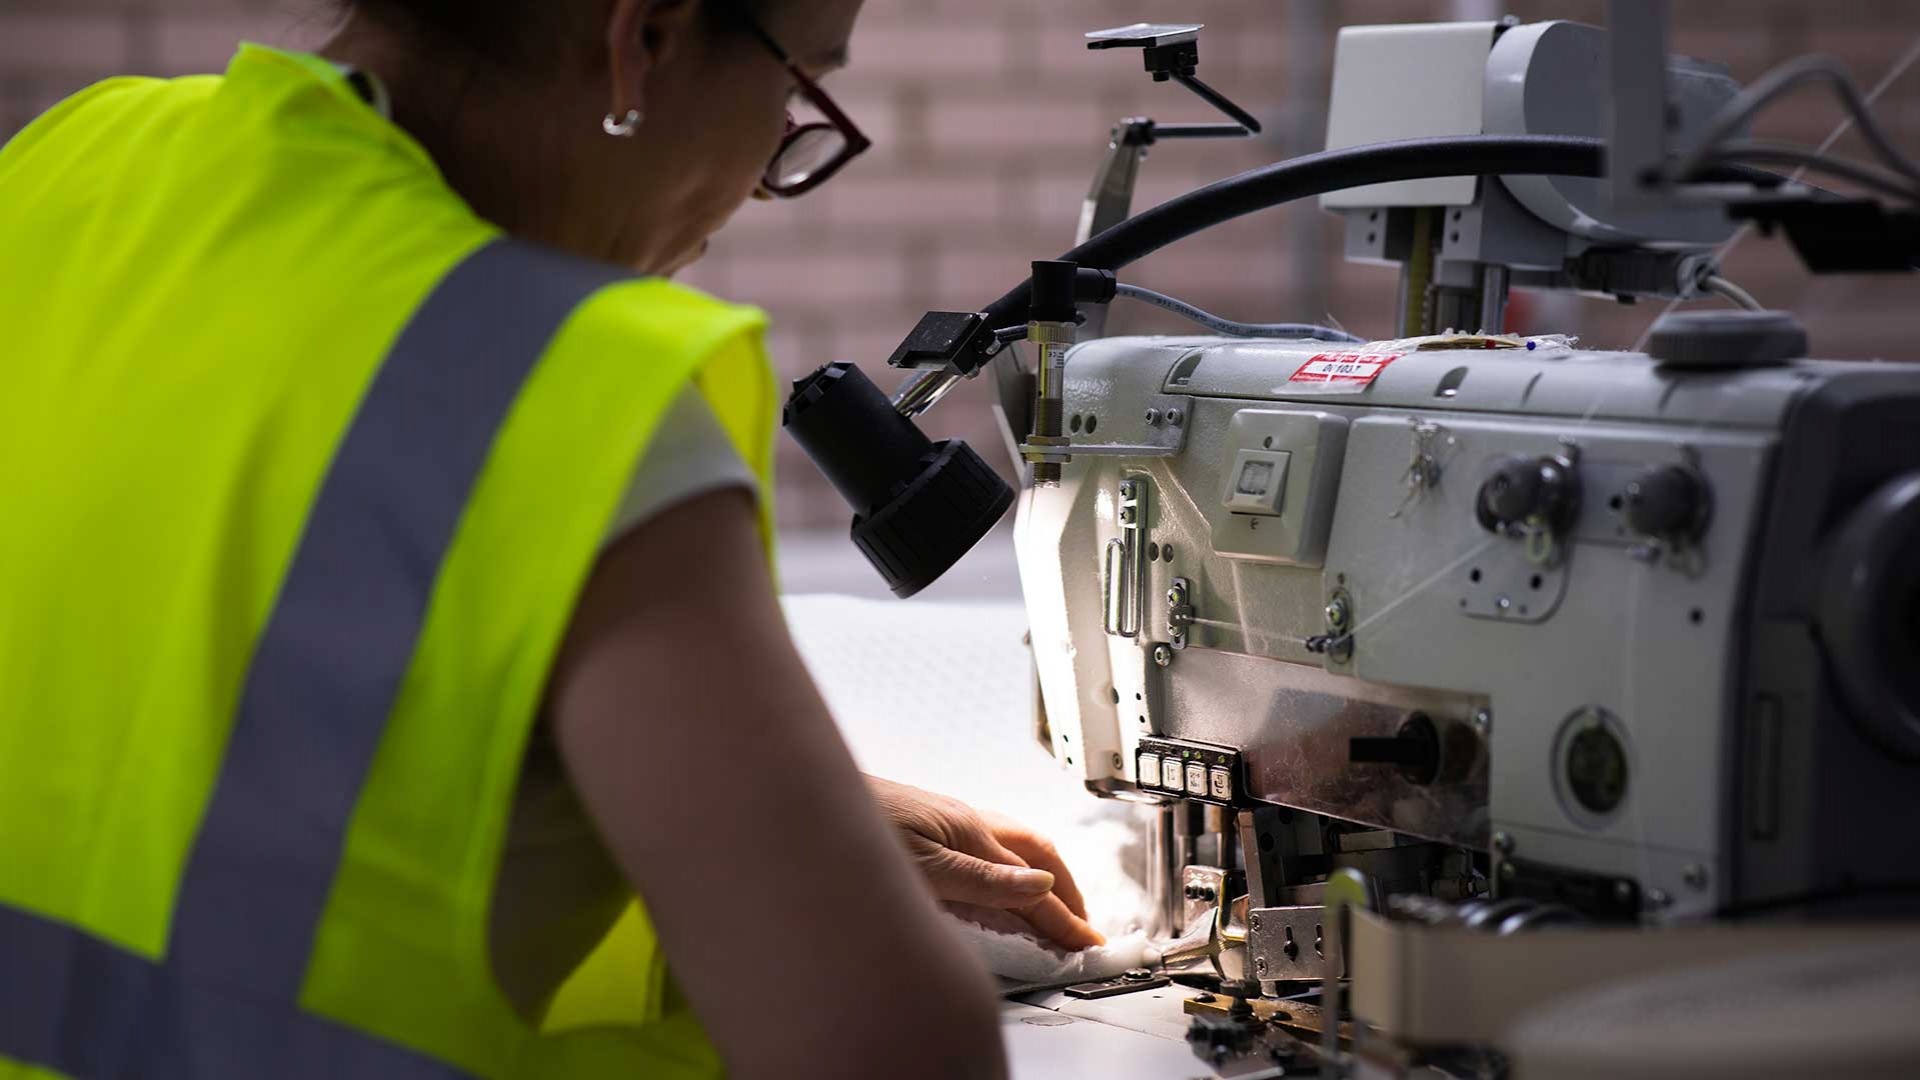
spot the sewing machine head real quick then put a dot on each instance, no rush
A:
(1529, 601)
(1485, 631)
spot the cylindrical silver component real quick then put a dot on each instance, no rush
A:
(1051, 340)
(1165, 870)
(1219, 823)
(1493, 299)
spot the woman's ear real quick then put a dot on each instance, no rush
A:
(641, 35)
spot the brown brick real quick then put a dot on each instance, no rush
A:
(93, 44)
(206, 42)
(989, 117)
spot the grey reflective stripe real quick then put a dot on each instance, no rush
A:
(323, 680)
(80, 1006)
(330, 661)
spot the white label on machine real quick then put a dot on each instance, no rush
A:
(1340, 371)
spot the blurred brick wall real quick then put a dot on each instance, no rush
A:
(989, 118)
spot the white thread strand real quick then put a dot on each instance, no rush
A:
(1423, 586)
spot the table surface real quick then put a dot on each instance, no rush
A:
(1139, 1036)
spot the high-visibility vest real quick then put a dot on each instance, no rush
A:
(302, 468)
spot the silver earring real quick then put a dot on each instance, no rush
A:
(624, 127)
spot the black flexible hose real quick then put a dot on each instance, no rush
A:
(1327, 171)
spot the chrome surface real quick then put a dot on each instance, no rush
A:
(1292, 722)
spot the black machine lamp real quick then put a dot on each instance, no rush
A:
(919, 505)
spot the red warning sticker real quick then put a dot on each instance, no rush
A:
(1347, 370)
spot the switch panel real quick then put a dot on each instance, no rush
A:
(1189, 770)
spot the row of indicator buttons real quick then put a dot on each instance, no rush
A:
(1190, 778)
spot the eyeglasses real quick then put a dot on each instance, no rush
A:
(809, 154)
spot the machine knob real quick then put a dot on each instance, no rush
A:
(1414, 750)
(1543, 490)
(1666, 501)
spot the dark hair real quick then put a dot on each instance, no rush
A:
(512, 32)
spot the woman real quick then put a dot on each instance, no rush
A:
(388, 598)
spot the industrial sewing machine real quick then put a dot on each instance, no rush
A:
(1469, 671)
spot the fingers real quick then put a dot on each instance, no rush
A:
(969, 858)
(1051, 919)
(998, 920)
(958, 876)
(1038, 852)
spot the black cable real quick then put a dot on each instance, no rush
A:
(1317, 174)
(1760, 152)
(1336, 170)
(1231, 327)
(1744, 105)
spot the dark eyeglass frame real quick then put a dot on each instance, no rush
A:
(855, 143)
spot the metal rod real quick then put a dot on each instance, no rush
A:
(1167, 869)
(1198, 131)
(1493, 298)
(1219, 823)
(1219, 101)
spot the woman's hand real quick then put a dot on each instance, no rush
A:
(974, 860)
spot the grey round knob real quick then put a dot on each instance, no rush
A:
(1720, 340)
(1667, 502)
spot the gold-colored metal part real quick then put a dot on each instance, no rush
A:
(1419, 274)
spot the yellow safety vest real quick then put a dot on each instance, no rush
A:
(302, 466)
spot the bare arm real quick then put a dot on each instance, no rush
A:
(790, 914)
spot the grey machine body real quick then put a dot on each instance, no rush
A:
(1749, 776)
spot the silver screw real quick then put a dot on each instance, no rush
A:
(1174, 595)
(1126, 515)
(1126, 488)
(1503, 603)
(1174, 417)
(1119, 763)
(1503, 843)
(1153, 417)
(1483, 721)
(1695, 876)
(1337, 613)
(1162, 655)
(1253, 921)
(1260, 964)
